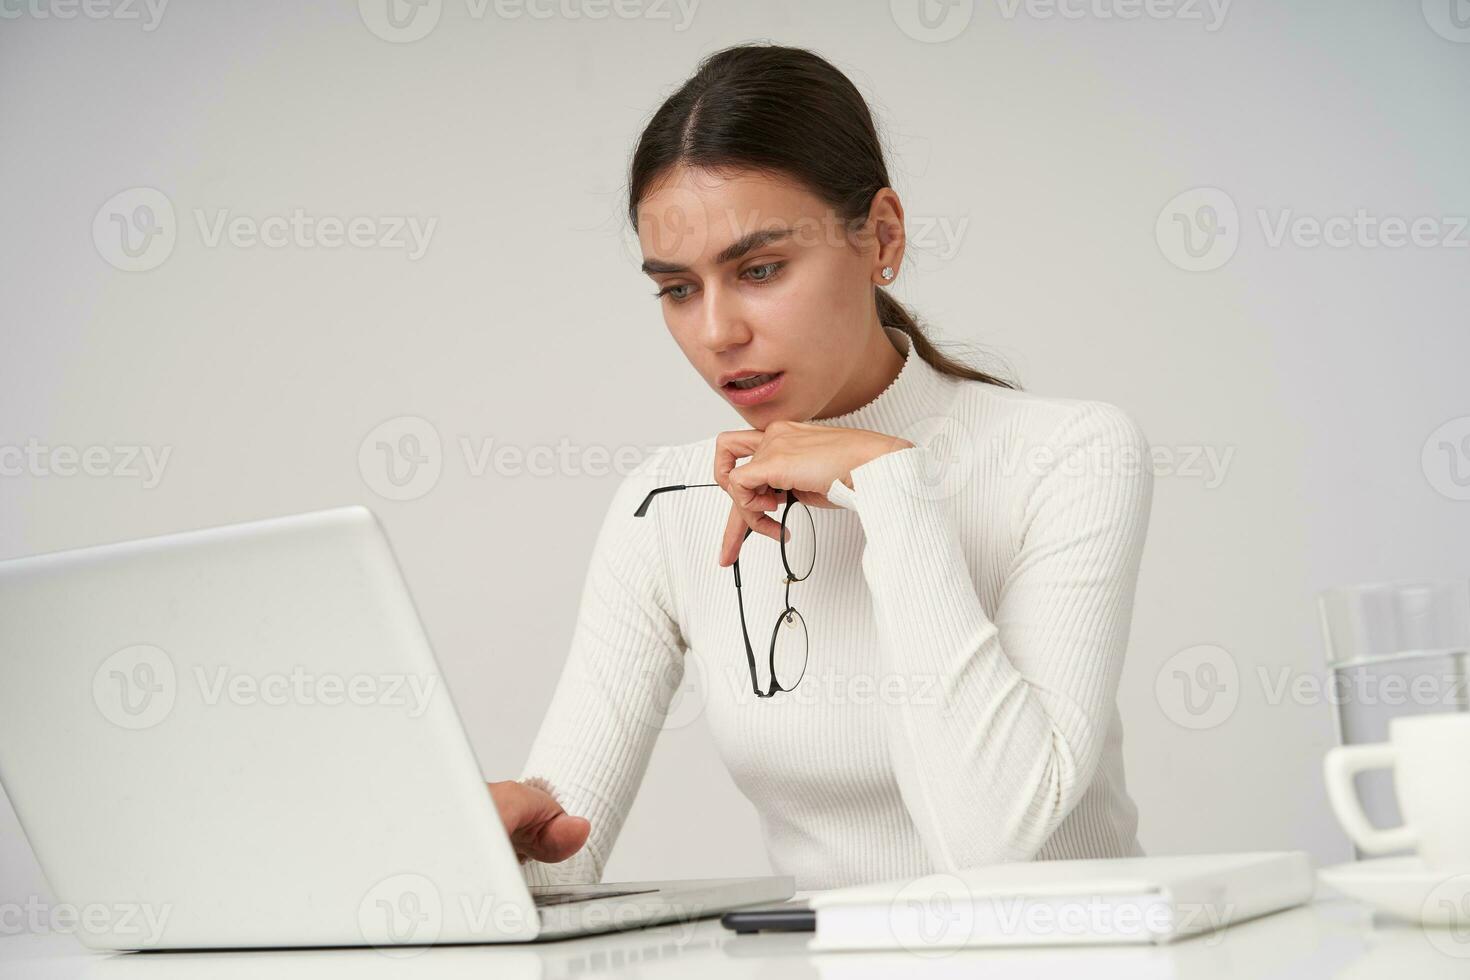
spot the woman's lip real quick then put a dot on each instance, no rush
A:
(745, 397)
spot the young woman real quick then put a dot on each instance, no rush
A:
(953, 587)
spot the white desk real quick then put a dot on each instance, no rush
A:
(1332, 937)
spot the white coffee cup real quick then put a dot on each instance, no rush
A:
(1430, 759)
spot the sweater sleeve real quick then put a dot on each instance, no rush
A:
(625, 662)
(991, 764)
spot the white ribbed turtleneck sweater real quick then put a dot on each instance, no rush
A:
(968, 613)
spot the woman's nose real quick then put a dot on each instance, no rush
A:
(724, 323)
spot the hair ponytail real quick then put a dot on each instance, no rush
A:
(892, 313)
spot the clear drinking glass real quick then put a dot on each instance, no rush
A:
(1393, 648)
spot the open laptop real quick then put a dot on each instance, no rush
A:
(239, 737)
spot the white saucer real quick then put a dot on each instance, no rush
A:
(1404, 888)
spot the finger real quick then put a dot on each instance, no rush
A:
(510, 800)
(813, 499)
(754, 495)
(752, 481)
(537, 825)
(735, 527)
(763, 524)
(555, 839)
(760, 524)
(731, 447)
(764, 500)
(734, 536)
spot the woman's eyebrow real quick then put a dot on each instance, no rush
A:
(742, 245)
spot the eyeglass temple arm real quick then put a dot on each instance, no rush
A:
(643, 507)
(739, 594)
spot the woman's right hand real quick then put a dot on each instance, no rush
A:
(539, 829)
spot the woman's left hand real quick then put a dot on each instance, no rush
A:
(799, 456)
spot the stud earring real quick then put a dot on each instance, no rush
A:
(887, 272)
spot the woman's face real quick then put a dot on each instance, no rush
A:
(758, 282)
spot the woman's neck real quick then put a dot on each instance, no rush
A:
(878, 365)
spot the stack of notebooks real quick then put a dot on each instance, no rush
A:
(1115, 901)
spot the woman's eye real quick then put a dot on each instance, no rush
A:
(770, 269)
(669, 291)
(759, 274)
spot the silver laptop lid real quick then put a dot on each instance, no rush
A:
(239, 736)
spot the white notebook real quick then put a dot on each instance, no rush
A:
(1155, 899)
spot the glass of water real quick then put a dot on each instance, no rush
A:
(1393, 648)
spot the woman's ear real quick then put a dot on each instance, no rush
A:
(885, 217)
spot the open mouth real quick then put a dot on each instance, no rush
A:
(752, 389)
(751, 381)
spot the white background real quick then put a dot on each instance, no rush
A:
(1051, 142)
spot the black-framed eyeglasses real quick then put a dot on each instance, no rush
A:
(789, 641)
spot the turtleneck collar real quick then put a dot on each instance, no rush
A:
(915, 399)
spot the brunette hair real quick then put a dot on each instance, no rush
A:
(782, 110)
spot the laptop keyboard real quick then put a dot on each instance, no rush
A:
(552, 896)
